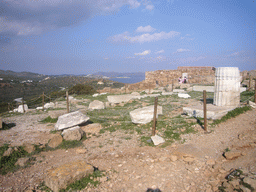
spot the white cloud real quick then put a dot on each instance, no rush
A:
(145, 29)
(161, 51)
(106, 58)
(150, 7)
(181, 50)
(146, 52)
(125, 37)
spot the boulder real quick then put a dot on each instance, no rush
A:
(55, 141)
(74, 133)
(49, 105)
(8, 152)
(96, 105)
(92, 128)
(29, 148)
(60, 177)
(22, 161)
(144, 115)
(20, 108)
(70, 120)
(157, 140)
(232, 154)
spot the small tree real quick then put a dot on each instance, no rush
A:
(80, 89)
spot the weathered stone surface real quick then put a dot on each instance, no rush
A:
(49, 105)
(157, 139)
(74, 133)
(250, 181)
(20, 109)
(227, 87)
(29, 148)
(121, 98)
(60, 177)
(210, 162)
(92, 128)
(70, 120)
(167, 93)
(252, 104)
(173, 157)
(232, 154)
(8, 152)
(81, 150)
(135, 93)
(22, 161)
(96, 105)
(144, 115)
(56, 113)
(184, 95)
(55, 141)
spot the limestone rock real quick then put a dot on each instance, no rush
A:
(232, 154)
(55, 141)
(250, 181)
(173, 158)
(252, 104)
(29, 148)
(135, 93)
(96, 105)
(121, 98)
(60, 177)
(157, 139)
(81, 151)
(184, 95)
(74, 133)
(8, 152)
(144, 115)
(20, 109)
(22, 161)
(49, 105)
(210, 162)
(70, 120)
(92, 128)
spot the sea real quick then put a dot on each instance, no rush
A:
(129, 80)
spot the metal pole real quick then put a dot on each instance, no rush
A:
(154, 118)
(67, 102)
(43, 100)
(205, 117)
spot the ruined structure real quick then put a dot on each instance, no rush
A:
(227, 87)
(201, 75)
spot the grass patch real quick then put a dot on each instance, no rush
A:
(231, 114)
(83, 183)
(7, 163)
(247, 96)
(144, 141)
(49, 120)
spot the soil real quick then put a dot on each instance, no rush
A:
(196, 165)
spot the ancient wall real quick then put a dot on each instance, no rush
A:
(201, 75)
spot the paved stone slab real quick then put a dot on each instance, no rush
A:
(60, 177)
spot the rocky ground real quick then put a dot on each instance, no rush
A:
(202, 163)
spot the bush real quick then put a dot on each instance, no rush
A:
(80, 89)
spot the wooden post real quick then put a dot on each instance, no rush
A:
(205, 117)
(172, 85)
(154, 118)
(255, 91)
(8, 107)
(67, 102)
(250, 83)
(43, 100)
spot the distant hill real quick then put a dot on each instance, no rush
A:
(28, 75)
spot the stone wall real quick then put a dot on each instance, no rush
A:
(201, 75)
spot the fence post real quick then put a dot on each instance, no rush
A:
(8, 107)
(43, 100)
(250, 83)
(205, 117)
(255, 91)
(172, 85)
(67, 102)
(154, 118)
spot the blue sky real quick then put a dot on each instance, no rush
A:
(87, 36)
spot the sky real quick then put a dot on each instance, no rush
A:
(54, 37)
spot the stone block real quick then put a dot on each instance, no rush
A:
(93, 128)
(22, 161)
(74, 133)
(55, 141)
(70, 120)
(157, 140)
(60, 177)
(232, 155)
(29, 148)
(96, 105)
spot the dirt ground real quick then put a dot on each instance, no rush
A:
(196, 165)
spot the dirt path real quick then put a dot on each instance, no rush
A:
(196, 165)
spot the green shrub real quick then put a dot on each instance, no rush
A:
(80, 89)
